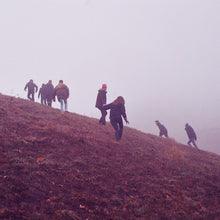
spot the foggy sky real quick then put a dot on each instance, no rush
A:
(161, 56)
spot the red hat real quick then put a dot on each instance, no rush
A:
(104, 86)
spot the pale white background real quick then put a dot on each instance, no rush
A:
(161, 56)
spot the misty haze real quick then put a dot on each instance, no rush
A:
(152, 66)
(161, 56)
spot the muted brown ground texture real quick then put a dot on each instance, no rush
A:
(67, 166)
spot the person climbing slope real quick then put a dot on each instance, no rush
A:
(100, 101)
(32, 88)
(163, 130)
(62, 93)
(191, 134)
(42, 95)
(117, 109)
(49, 90)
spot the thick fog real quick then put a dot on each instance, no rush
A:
(161, 56)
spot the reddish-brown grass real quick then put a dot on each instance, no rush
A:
(67, 166)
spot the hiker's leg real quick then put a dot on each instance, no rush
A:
(29, 95)
(120, 122)
(32, 94)
(115, 126)
(194, 143)
(65, 103)
(44, 101)
(61, 105)
(102, 119)
(189, 143)
(49, 101)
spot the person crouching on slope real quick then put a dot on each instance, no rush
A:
(117, 109)
(62, 93)
(163, 130)
(191, 134)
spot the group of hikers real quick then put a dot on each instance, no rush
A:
(48, 93)
(189, 130)
(117, 110)
(117, 107)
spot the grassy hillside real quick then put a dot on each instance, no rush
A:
(67, 166)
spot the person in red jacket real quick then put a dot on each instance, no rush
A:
(117, 109)
(62, 93)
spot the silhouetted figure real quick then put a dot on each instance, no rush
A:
(32, 88)
(42, 94)
(100, 101)
(191, 134)
(163, 130)
(62, 93)
(117, 109)
(49, 91)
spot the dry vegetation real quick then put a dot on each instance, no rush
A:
(67, 166)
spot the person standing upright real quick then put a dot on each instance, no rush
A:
(32, 88)
(191, 134)
(100, 101)
(163, 130)
(117, 109)
(42, 94)
(62, 93)
(49, 90)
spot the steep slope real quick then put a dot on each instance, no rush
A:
(66, 166)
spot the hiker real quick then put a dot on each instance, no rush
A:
(62, 93)
(100, 101)
(191, 134)
(49, 90)
(117, 109)
(31, 87)
(42, 94)
(163, 130)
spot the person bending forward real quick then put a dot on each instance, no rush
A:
(117, 109)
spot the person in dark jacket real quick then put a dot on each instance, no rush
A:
(62, 93)
(42, 94)
(100, 101)
(117, 109)
(49, 91)
(191, 134)
(32, 88)
(163, 130)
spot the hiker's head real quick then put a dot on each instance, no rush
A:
(156, 121)
(31, 80)
(186, 124)
(50, 81)
(104, 86)
(119, 100)
(61, 81)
